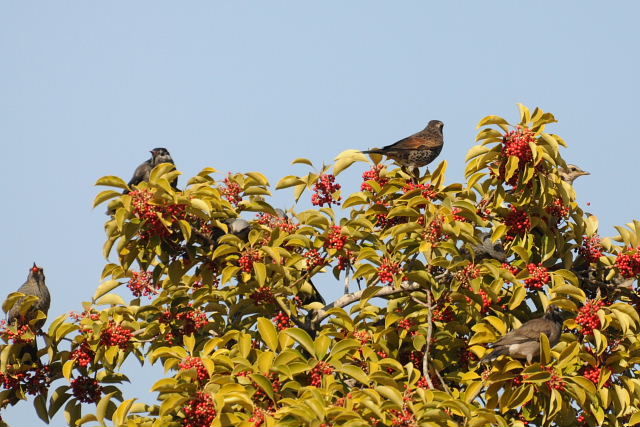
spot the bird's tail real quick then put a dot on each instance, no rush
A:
(493, 355)
(31, 349)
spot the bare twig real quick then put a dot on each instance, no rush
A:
(425, 358)
(347, 299)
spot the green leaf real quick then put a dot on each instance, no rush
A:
(261, 272)
(301, 160)
(104, 196)
(392, 394)
(105, 287)
(303, 338)
(492, 120)
(268, 333)
(545, 350)
(346, 159)
(476, 151)
(264, 383)
(120, 415)
(41, 408)
(356, 373)
(112, 181)
(289, 181)
(110, 299)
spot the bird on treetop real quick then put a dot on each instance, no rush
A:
(416, 150)
(571, 173)
(141, 174)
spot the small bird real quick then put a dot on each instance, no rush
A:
(142, 172)
(416, 150)
(571, 173)
(35, 285)
(524, 342)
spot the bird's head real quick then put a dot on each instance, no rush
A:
(159, 152)
(554, 313)
(571, 173)
(436, 124)
(36, 272)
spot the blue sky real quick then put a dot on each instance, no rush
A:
(87, 88)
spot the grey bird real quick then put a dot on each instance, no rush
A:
(487, 249)
(35, 285)
(416, 150)
(141, 174)
(524, 342)
(571, 173)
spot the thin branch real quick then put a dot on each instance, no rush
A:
(425, 358)
(348, 299)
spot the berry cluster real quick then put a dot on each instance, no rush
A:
(628, 262)
(467, 356)
(263, 295)
(555, 382)
(199, 411)
(434, 233)
(468, 273)
(248, 258)
(591, 248)
(416, 358)
(34, 380)
(116, 335)
(193, 320)
(152, 213)
(363, 336)
(512, 268)
(231, 191)
(83, 354)
(404, 418)
(387, 270)
(195, 363)
(324, 189)
(406, 324)
(593, 373)
(427, 190)
(274, 222)
(86, 390)
(282, 321)
(16, 335)
(336, 240)
(486, 301)
(443, 314)
(141, 283)
(373, 175)
(345, 261)
(518, 222)
(538, 277)
(517, 143)
(314, 259)
(259, 416)
(456, 215)
(588, 316)
(318, 372)
(558, 209)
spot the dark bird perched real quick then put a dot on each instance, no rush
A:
(142, 172)
(524, 342)
(571, 173)
(35, 285)
(416, 150)
(487, 249)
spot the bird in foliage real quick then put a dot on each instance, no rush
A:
(571, 173)
(34, 286)
(416, 150)
(142, 172)
(524, 342)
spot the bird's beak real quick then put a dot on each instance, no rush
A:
(585, 173)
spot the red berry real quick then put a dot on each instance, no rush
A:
(199, 411)
(86, 390)
(324, 190)
(538, 277)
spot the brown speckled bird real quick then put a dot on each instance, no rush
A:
(524, 342)
(571, 173)
(416, 150)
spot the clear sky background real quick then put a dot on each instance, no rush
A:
(87, 88)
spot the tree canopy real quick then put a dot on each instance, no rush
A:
(432, 271)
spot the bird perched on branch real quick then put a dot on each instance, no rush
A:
(142, 172)
(571, 173)
(524, 342)
(416, 150)
(35, 286)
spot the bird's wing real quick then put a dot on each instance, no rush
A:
(530, 331)
(141, 173)
(409, 143)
